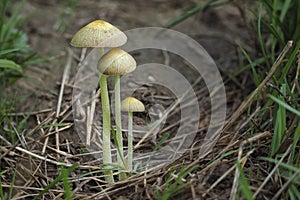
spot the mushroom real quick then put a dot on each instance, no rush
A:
(101, 34)
(130, 105)
(115, 62)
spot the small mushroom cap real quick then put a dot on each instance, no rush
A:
(99, 34)
(116, 62)
(131, 104)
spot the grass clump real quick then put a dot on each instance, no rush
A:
(174, 183)
(275, 25)
(15, 53)
(280, 106)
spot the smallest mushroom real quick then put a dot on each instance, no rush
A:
(130, 105)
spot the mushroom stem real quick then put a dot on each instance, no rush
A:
(106, 128)
(130, 105)
(119, 142)
(130, 140)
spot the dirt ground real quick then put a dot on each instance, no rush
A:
(217, 29)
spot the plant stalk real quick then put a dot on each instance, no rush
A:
(130, 140)
(119, 142)
(106, 128)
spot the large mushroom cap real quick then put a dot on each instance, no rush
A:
(131, 104)
(99, 34)
(116, 62)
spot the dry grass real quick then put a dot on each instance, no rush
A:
(35, 159)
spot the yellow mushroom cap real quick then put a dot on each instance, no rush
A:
(131, 104)
(116, 62)
(99, 34)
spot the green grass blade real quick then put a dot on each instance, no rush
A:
(66, 183)
(33, 59)
(294, 24)
(295, 142)
(189, 13)
(56, 180)
(295, 191)
(171, 188)
(275, 20)
(113, 132)
(193, 11)
(280, 124)
(252, 65)
(95, 172)
(8, 51)
(11, 188)
(244, 185)
(284, 165)
(3, 12)
(10, 65)
(21, 125)
(290, 62)
(260, 37)
(285, 105)
(284, 9)
(160, 142)
(11, 23)
(65, 16)
(277, 35)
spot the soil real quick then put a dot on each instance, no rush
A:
(217, 29)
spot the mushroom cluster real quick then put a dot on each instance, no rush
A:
(115, 62)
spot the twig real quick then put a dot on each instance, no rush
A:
(165, 114)
(227, 173)
(42, 158)
(240, 153)
(54, 122)
(297, 74)
(20, 136)
(249, 119)
(45, 121)
(286, 184)
(272, 172)
(5, 150)
(65, 79)
(55, 162)
(252, 96)
(88, 125)
(30, 188)
(43, 132)
(82, 56)
(30, 113)
(90, 116)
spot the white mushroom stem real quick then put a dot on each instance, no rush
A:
(106, 127)
(130, 140)
(117, 62)
(130, 105)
